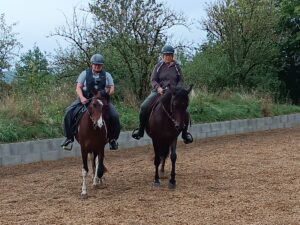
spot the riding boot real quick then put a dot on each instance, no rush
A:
(113, 127)
(68, 126)
(113, 144)
(139, 132)
(186, 136)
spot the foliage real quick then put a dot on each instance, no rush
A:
(32, 72)
(8, 44)
(130, 34)
(241, 48)
(40, 116)
(289, 63)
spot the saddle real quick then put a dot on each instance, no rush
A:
(80, 110)
(78, 113)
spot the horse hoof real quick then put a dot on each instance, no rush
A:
(172, 185)
(83, 196)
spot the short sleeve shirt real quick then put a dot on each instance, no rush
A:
(82, 79)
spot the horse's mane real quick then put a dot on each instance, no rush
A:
(177, 92)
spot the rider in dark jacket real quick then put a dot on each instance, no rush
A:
(104, 83)
(166, 73)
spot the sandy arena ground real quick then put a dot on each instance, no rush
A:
(244, 179)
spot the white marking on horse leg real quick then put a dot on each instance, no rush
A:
(84, 175)
(95, 181)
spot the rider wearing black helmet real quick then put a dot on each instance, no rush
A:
(103, 80)
(166, 73)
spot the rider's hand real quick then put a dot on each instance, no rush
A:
(160, 90)
(83, 100)
(104, 94)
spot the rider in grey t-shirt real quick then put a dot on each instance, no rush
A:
(106, 86)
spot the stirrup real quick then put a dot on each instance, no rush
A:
(65, 147)
(188, 138)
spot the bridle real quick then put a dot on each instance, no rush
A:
(95, 124)
(174, 121)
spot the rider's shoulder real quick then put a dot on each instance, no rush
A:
(82, 74)
(177, 63)
(108, 74)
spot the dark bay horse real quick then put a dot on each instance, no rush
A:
(168, 118)
(92, 137)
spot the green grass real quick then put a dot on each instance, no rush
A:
(40, 118)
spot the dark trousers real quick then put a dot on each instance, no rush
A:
(113, 123)
(112, 120)
(69, 119)
(146, 107)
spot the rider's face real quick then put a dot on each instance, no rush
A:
(168, 58)
(97, 68)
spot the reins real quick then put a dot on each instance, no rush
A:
(170, 115)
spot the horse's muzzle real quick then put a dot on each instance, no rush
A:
(179, 126)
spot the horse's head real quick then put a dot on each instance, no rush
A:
(95, 110)
(179, 102)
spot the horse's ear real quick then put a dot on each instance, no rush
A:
(94, 91)
(190, 88)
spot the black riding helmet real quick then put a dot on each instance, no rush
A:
(167, 49)
(97, 59)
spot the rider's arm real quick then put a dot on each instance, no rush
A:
(110, 87)
(154, 78)
(179, 75)
(79, 92)
(110, 90)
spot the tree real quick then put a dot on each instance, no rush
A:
(245, 32)
(9, 45)
(32, 72)
(129, 31)
(289, 63)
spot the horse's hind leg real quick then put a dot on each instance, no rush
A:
(162, 168)
(172, 181)
(84, 176)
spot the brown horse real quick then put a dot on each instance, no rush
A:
(92, 137)
(167, 119)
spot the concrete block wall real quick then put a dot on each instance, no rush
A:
(44, 150)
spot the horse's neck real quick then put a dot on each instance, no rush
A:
(165, 101)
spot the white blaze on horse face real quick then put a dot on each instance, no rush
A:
(100, 120)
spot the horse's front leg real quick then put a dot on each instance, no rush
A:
(85, 171)
(172, 181)
(95, 178)
(99, 170)
(156, 164)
